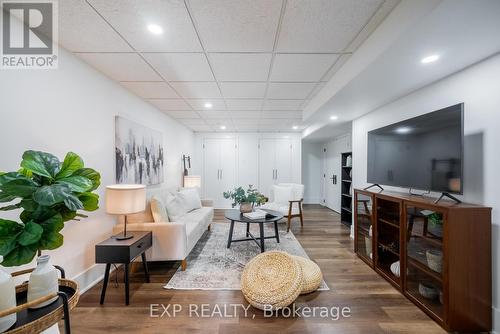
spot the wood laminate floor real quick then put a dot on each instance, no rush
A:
(375, 306)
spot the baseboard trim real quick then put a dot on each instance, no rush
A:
(90, 277)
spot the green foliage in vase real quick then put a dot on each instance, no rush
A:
(435, 219)
(49, 193)
(239, 195)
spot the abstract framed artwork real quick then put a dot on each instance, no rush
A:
(139, 154)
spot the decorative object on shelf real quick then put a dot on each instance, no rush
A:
(8, 300)
(43, 281)
(396, 268)
(188, 165)
(192, 181)
(272, 280)
(312, 274)
(246, 199)
(427, 290)
(435, 224)
(434, 260)
(125, 199)
(368, 243)
(51, 193)
(348, 161)
(139, 154)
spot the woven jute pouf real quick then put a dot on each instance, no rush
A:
(312, 275)
(273, 279)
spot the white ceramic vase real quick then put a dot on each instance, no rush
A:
(8, 299)
(43, 281)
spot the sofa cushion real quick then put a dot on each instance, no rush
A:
(191, 198)
(196, 223)
(176, 207)
(158, 210)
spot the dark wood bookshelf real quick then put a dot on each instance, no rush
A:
(346, 190)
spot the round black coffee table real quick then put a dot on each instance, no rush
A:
(237, 216)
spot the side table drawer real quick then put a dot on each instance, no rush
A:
(141, 246)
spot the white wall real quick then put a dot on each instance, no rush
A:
(72, 109)
(312, 172)
(479, 88)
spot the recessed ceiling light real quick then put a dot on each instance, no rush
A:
(429, 59)
(333, 117)
(208, 105)
(223, 127)
(155, 29)
(403, 130)
(295, 127)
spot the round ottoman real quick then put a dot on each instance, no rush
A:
(312, 275)
(272, 278)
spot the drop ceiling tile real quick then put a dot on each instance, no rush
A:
(181, 66)
(237, 25)
(179, 114)
(243, 90)
(282, 114)
(81, 29)
(201, 128)
(215, 114)
(170, 104)
(323, 25)
(245, 114)
(219, 121)
(240, 66)
(289, 90)
(246, 121)
(338, 64)
(131, 19)
(193, 121)
(197, 90)
(244, 104)
(317, 89)
(301, 67)
(199, 104)
(151, 90)
(283, 104)
(247, 128)
(121, 66)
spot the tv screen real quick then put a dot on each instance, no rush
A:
(425, 152)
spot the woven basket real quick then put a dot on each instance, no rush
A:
(273, 279)
(312, 275)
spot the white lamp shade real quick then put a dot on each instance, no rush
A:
(192, 181)
(123, 199)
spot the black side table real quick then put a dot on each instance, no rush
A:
(123, 251)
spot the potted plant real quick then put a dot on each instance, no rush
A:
(246, 199)
(435, 224)
(50, 193)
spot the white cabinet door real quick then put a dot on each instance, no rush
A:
(248, 161)
(211, 170)
(284, 164)
(333, 179)
(267, 165)
(227, 169)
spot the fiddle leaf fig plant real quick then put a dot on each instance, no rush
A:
(49, 193)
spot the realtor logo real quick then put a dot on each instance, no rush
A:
(29, 34)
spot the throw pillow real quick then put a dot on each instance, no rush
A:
(158, 210)
(282, 194)
(192, 198)
(176, 206)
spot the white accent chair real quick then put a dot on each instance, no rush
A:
(290, 207)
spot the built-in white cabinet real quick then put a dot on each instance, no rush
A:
(232, 160)
(275, 162)
(219, 160)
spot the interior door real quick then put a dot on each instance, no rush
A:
(284, 166)
(267, 165)
(333, 177)
(227, 177)
(211, 170)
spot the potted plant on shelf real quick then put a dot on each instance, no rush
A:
(245, 199)
(50, 193)
(435, 224)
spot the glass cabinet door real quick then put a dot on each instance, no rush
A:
(364, 206)
(424, 257)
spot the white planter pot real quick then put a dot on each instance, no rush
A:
(43, 281)
(7, 300)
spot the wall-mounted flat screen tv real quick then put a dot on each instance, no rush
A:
(425, 152)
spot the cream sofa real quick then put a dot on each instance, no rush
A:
(172, 241)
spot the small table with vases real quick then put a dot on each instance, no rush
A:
(114, 250)
(237, 216)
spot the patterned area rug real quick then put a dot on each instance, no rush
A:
(211, 266)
